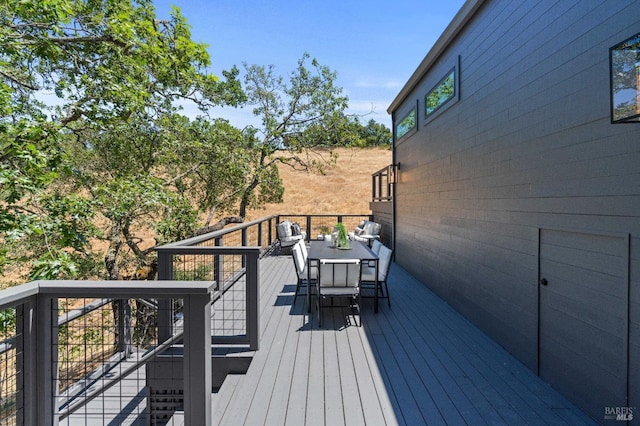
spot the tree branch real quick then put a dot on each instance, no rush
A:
(74, 114)
(129, 239)
(86, 39)
(219, 225)
(186, 173)
(17, 81)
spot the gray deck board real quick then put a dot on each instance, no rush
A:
(418, 362)
(377, 404)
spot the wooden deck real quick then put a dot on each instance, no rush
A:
(418, 362)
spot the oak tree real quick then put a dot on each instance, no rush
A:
(115, 72)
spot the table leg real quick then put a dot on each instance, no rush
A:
(375, 303)
(308, 286)
(308, 295)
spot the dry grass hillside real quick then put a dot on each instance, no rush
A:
(345, 188)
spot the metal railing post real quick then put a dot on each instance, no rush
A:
(47, 360)
(218, 264)
(374, 195)
(26, 362)
(124, 326)
(197, 360)
(245, 239)
(389, 182)
(165, 306)
(253, 297)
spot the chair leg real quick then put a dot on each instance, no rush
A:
(356, 301)
(319, 307)
(311, 290)
(354, 306)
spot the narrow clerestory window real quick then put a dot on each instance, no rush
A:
(441, 94)
(407, 124)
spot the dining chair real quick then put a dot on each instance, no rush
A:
(303, 248)
(368, 278)
(299, 254)
(338, 278)
(375, 246)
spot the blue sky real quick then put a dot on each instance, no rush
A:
(374, 46)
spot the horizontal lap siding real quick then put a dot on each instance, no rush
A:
(383, 214)
(529, 145)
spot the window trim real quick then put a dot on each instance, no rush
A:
(451, 72)
(633, 118)
(411, 129)
(450, 101)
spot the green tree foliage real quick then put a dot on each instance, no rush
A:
(301, 115)
(112, 159)
(154, 177)
(407, 124)
(373, 134)
(440, 94)
(103, 152)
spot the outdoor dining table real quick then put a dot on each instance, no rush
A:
(325, 250)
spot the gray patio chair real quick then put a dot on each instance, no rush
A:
(366, 231)
(375, 246)
(303, 248)
(338, 278)
(286, 236)
(299, 254)
(368, 277)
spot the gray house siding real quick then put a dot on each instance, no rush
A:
(383, 214)
(496, 189)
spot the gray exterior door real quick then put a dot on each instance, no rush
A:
(584, 317)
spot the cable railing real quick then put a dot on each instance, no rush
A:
(101, 350)
(43, 380)
(228, 257)
(316, 225)
(112, 352)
